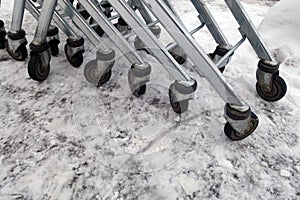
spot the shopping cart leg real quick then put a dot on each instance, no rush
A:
(53, 38)
(16, 41)
(178, 54)
(184, 87)
(270, 86)
(139, 74)
(39, 63)
(53, 32)
(2, 35)
(107, 10)
(97, 71)
(139, 45)
(241, 122)
(155, 29)
(175, 51)
(224, 46)
(53, 41)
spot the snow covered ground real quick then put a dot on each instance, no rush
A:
(66, 139)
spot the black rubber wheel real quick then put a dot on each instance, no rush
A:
(236, 136)
(179, 59)
(140, 91)
(90, 72)
(20, 54)
(54, 47)
(36, 70)
(76, 60)
(2, 40)
(278, 91)
(105, 78)
(91, 76)
(179, 107)
(221, 69)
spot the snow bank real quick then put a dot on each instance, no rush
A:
(281, 29)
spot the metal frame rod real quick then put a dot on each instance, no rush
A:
(110, 29)
(18, 14)
(143, 11)
(206, 17)
(198, 56)
(230, 52)
(191, 32)
(150, 40)
(44, 21)
(80, 22)
(58, 20)
(248, 29)
(148, 25)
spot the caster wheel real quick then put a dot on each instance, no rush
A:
(105, 78)
(2, 35)
(91, 76)
(179, 107)
(212, 55)
(90, 73)
(53, 47)
(177, 53)
(278, 91)
(180, 59)
(140, 91)
(2, 41)
(236, 136)
(75, 60)
(37, 70)
(20, 54)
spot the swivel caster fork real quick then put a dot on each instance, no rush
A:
(180, 92)
(138, 77)
(241, 122)
(16, 45)
(39, 63)
(99, 71)
(74, 50)
(53, 40)
(270, 86)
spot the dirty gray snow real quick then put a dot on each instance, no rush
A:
(66, 139)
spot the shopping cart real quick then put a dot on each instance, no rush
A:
(140, 19)
(16, 40)
(241, 121)
(97, 71)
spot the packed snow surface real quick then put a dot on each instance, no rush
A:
(66, 139)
